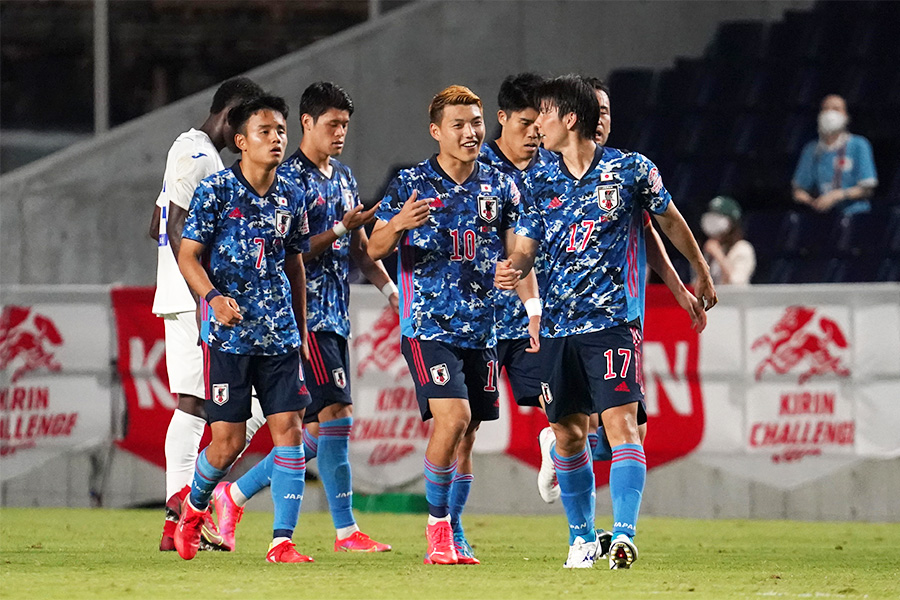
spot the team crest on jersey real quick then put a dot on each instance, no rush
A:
(340, 379)
(282, 222)
(545, 392)
(439, 374)
(608, 197)
(487, 208)
(220, 393)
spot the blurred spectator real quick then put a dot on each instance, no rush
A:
(731, 258)
(837, 170)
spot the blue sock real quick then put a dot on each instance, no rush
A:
(257, 478)
(459, 493)
(206, 477)
(600, 449)
(334, 469)
(626, 486)
(437, 488)
(288, 483)
(310, 445)
(576, 485)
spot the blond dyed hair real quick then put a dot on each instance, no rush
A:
(451, 96)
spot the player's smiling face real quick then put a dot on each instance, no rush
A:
(520, 132)
(328, 132)
(554, 132)
(605, 123)
(460, 132)
(264, 138)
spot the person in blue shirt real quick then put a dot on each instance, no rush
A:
(451, 217)
(249, 226)
(584, 214)
(837, 171)
(336, 219)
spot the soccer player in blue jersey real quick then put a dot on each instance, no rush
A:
(193, 156)
(336, 217)
(584, 214)
(250, 227)
(450, 216)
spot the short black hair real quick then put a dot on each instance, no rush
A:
(240, 114)
(322, 96)
(572, 94)
(239, 88)
(519, 92)
(598, 85)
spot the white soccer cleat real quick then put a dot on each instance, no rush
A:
(581, 554)
(622, 552)
(548, 486)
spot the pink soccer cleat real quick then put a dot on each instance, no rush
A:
(440, 545)
(359, 542)
(227, 513)
(187, 532)
(285, 552)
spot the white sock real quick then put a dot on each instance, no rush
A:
(237, 495)
(345, 532)
(433, 520)
(181, 447)
(278, 540)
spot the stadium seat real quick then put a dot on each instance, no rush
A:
(738, 41)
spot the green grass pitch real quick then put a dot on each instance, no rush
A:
(100, 554)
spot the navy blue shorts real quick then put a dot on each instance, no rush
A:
(441, 370)
(328, 372)
(523, 370)
(590, 372)
(231, 377)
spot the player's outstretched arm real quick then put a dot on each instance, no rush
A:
(659, 261)
(387, 234)
(677, 230)
(373, 269)
(352, 221)
(227, 311)
(520, 251)
(296, 274)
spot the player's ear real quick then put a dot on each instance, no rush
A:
(435, 132)
(570, 120)
(240, 140)
(501, 117)
(306, 121)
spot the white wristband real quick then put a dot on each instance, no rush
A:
(340, 230)
(389, 289)
(533, 307)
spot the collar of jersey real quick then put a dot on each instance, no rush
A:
(236, 169)
(496, 150)
(598, 154)
(437, 169)
(309, 164)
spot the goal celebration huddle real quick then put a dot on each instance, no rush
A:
(526, 253)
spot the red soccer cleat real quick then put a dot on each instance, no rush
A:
(188, 531)
(359, 542)
(228, 514)
(440, 545)
(286, 553)
(173, 511)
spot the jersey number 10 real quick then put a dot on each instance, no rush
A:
(468, 245)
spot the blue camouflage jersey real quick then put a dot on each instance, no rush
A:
(327, 275)
(446, 266)
(512, 322)
(247, 238)
(592, 239)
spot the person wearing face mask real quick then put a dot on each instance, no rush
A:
(731, 258)
(836, 171)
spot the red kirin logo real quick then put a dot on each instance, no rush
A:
(379, 348)
(26, 339)
(800, 340)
